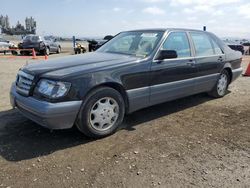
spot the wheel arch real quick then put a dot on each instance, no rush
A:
(116, 86)
(228, 68)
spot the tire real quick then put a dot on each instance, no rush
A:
(58, 50)
(102, 113)
(46, 51)
(14, 52)
(77, 50)
(220, 89)
(24, 53)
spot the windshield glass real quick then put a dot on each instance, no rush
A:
(133, 43)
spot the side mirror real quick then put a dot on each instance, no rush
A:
(166, 54)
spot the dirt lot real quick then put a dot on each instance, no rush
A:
(192, 142)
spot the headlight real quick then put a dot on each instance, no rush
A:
(53, 89)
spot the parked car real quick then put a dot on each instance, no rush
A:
(235, 46)
(40, 44)
(94, 44)
(134, 70)
(6, 46)
(246, 46)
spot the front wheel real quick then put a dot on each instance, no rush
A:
(46, 51)
(58, 50)
(221, 86)
(102, 113)
(14, 52)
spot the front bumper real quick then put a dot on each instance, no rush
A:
(60, 115)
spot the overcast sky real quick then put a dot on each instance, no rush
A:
(101, 17)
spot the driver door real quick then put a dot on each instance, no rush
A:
(173, 78)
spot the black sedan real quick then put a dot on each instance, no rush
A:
(134, 70)
(42, 45)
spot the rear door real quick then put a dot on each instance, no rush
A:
(49, 42)
(173, 78)
(54, 45)
(209, 60)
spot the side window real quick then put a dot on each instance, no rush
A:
(202, 44)
(217, 49)
(178, 41)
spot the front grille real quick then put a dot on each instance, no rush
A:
(24, 83)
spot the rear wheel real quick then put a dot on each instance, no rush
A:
(102, 113)
(221, 86)
(24, 53)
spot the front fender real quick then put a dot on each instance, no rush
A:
(85, 84)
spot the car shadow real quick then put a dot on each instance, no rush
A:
(22, 139)
(164, 109)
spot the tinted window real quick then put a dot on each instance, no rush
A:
(202, 44)
(178, 41)
(31, 38)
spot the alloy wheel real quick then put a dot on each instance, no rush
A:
(104, 114)
(222, 84)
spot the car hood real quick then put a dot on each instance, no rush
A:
(63, 66)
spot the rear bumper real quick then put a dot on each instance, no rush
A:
(37, 49)
(236, 73)
(51, 115)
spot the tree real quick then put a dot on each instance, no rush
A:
(19, 29)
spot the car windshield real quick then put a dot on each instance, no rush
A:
(133, 43)
(31, 38)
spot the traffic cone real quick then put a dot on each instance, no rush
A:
(33, 54)
(247, 73)
(45, 57)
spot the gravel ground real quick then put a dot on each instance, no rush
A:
(196, 141)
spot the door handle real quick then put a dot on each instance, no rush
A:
(220, 58)
(191, 63)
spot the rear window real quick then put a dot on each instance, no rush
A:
(31, 38)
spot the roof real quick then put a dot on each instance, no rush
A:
(165, 29)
